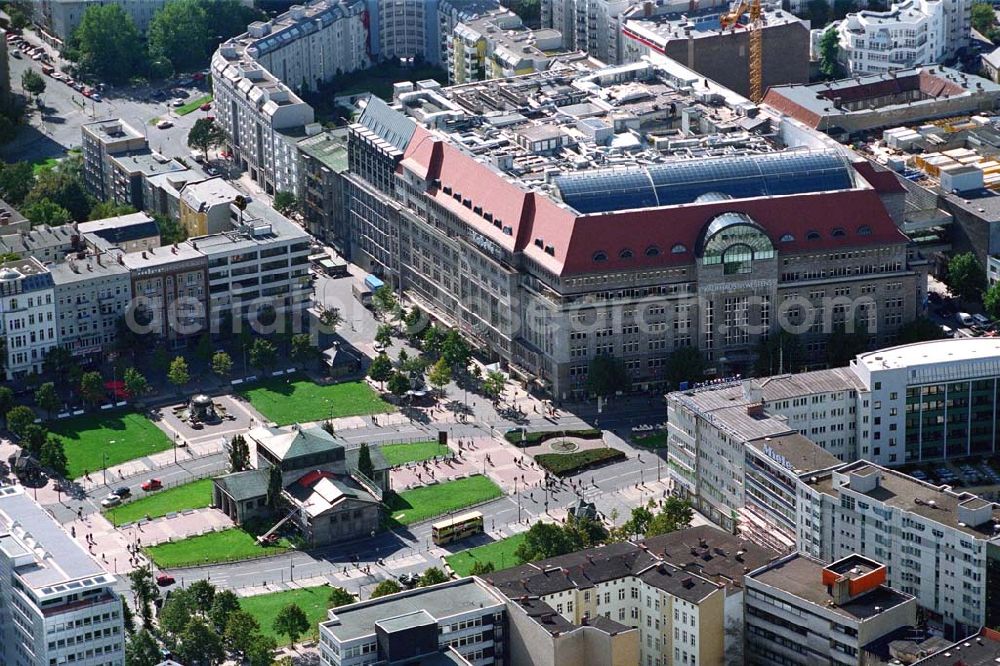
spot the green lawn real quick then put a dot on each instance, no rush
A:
(564, 464)
(413, 506)
(500, 553)
(194, 495)
(656, 439)
(400, 454)
(264, 607)
(225, 546)
(87, 440)
(286, 400)
(47, 163)
(193, 105)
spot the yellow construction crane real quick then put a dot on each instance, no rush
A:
(754, 27)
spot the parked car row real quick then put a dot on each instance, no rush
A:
(969, 474)
(21, 46)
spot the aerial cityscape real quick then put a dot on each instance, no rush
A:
(499, 332)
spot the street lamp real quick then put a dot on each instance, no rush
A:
(104, 459)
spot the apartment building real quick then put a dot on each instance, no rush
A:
(205, 206)
(461, 621)
(253, 77)
(11, 221)
(57, 605)
(57, 20)
(449, 14)
(103, 140)
(27, 316)
(129, 233)
(940, 545)
(909, 34)
(42, 242)
(161, 194)
(693, 36)
(559, 238)
(665, 601)
(592, 26)
(800, 611)
(496, 44)
(170, 290)
(129, 172)
(322, 164)
(91, 295)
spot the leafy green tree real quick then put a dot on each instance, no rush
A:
(128, 617)
(285, 203)
(46, 211)
(481, 568)
(224, 605)
(34, 438)
(585, 532)
(385, 588)
(433, 576)
(493, 385)
(222, 364)
(383, 335)
(922, 329)
(544, 540)
(440, 375)
(399, 384)
(303, 349)
(676, 514)
(330, 318)
(199, 645)
(241, 629)
(92, 388)
(380, 369)
(274, 487)
(228, 18)
(638, 522)
(829, 49)
(965, 277)
(19, 418)
(685, 364)
(178, 374)
(16, 181)
(135, 383)
(144, 592)
(63, 185)
(239, 454)
(32, 82)
(108, 43)
(47, 398)
(204, 135)
(203, 350)
(991, 299)
(20, 14)
(844, 346)
(291, 621)
(179, 32)
(102, 210)
(171, 230)
(260, 652)
(176, 612)
(606, 375)
(340, 597)
(384, 301)
(818, 11)
(455, 350)
(6, 399)
(365, 465)
(984, 20)
(203, 593)
(53, 456)
(142, 649)
(263, 354)
(432, 340)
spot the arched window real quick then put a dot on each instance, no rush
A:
(625, 254)
(864, 230)
(735, 240)
(600, 255)
(652, 251)
(788, 238)
(812, 235)
(678, 249)
(838, 232)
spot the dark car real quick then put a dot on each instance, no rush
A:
(123, 491)
(164, 579)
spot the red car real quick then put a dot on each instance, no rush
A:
(206, 107)
(152, 484)
(164, 579)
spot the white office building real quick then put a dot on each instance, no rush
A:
(27, 315)
(57, 605)
(909, 34)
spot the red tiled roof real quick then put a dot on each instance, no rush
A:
(884, 181)
(311, 478)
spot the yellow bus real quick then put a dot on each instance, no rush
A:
(456, 528)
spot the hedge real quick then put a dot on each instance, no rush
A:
(564, 464)
(537, 437)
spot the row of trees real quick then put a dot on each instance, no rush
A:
(432, 576)
(107, 44)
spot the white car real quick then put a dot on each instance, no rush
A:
(164, 124)
(178, 103)
(111, 500)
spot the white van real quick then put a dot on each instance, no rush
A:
(965, 319)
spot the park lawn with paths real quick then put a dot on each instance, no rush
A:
(228, 545)
(564, 464)
(194, 495)
(87, 438)
(413, 506)
(500, 553)
(400, 454)
(265, 607)
(193, 105)
(287, 400)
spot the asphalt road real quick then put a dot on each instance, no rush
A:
(55, 130)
